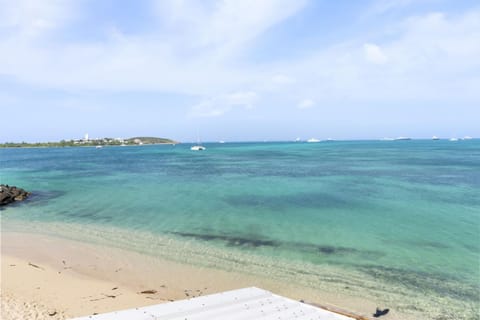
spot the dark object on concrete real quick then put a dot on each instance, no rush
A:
(10, 194)
(380, 313)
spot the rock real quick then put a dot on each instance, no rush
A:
(380, 312)
(9, 194)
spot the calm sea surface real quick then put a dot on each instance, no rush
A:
(394, 221)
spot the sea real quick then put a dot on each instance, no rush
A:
(390, 221)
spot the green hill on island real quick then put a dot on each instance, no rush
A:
(151, 140)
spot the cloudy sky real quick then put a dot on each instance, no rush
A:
(239, 69)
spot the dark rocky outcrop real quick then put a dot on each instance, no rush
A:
(9, 194)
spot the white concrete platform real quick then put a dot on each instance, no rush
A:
(248, 304)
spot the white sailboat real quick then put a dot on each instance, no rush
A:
(198, 146)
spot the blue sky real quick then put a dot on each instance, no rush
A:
(239, 70)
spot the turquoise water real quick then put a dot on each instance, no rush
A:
(394, 219)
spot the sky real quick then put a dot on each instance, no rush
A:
(239, 70)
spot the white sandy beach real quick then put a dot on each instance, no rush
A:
(48, 278)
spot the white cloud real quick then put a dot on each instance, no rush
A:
(282, 79)
(222, 29)
(305, 104)
(374, 54)
(199, 47)
(32, 18)
(194, 49)
(383, 6)
(219, 105)
(246, 98)
(208, 108)
(431, 57)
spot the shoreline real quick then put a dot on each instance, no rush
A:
(44, 274)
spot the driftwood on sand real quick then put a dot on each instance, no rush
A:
(148, 292)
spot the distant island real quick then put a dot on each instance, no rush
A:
(91, 142)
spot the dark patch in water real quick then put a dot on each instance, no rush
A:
(423, 281)
(329, 250)
(475, 249)
(42, 197)
(255, 242)
(82, 215)
(89, 215)
(429, 244)
(305, 200)
(446, 161)
(230, 240)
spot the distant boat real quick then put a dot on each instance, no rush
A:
(221, 141)
(467, 138)
(298, 140)
(403, 138)
(198, 146)
(435, 138)
(98, 147)
(387, 139)
(313, 140)
(453, 139)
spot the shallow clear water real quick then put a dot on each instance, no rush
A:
(404, 214)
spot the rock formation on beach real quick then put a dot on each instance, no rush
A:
(9, 194)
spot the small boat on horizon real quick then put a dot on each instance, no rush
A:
(453, 139)
(313, 140)
(435, 138)
(403, 138)
(467, 138)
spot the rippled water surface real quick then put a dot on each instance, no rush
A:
(403, 215)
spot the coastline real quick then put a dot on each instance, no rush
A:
(91, 146)
(43, 275)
